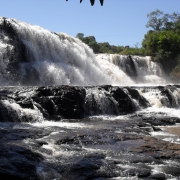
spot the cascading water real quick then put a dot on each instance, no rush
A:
(31, 55)
(142, 70)
(50, 58)
(77, 115)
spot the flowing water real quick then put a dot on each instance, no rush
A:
(56, 58)
(97, 125)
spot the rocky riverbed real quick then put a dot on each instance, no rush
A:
(39, 139)
(90, 148)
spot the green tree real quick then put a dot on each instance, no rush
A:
(94, 45)
(103, 47)
(80, 35)
(155, 20)
(159, 21)
(91, 42)
(163, 42)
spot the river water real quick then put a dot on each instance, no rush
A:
(66, 113)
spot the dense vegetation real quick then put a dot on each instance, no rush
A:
(104, 47)
(162, 42)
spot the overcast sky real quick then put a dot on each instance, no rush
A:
(119, 22)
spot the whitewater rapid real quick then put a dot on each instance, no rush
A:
(31, 55)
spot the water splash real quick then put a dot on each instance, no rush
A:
(136, 68)
(31, 55)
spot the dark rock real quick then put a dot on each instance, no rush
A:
(57, 102)
(124, 101)
(65, 101)
(161, 120)
(174, 171)
(140, 99)
(67, 140)
(130, 68)
(158, 148)
(159, 176)
(156, 128)
(139, 172)
(26, 104)
(18, 163)
(168, 94)
(16, 54)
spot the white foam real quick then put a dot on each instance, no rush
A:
(148, 72)
(56, 58)
(59, 59)
(162, 111)
(58, 124)
(15, 111)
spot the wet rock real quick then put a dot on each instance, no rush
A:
(158, 148)
(156, 128)
(16, 54)
(140, 99)
(159, 176)
(125, 103)
(67, 140)
(57, 102)
(130, 68)
(18, 163)
(124, 137)
(174, 171)
(139, 172)
(161, 121)
(65, 101)
(26, 104)
(168, 92)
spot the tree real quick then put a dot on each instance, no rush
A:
(104, 47)
(94, 45)
(159, 21)
(80, 35)
(163, 42)
(90, 41)
(155, 21)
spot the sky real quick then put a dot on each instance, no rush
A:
(119, 22)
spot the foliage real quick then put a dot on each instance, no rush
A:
(160, 21)
(134, 51)
(175, 74)
(91, 42)
(163, 42)
(80, 35)
(104, 47)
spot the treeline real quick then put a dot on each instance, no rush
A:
(162, 42)
(105, 47)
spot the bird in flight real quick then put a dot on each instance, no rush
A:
(92, 2)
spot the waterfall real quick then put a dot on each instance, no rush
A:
(142, 70)
(49, 58)
(66, 113)
(31, 55)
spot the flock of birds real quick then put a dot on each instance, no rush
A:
(92, 2)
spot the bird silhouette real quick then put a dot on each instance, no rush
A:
(92, 2)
